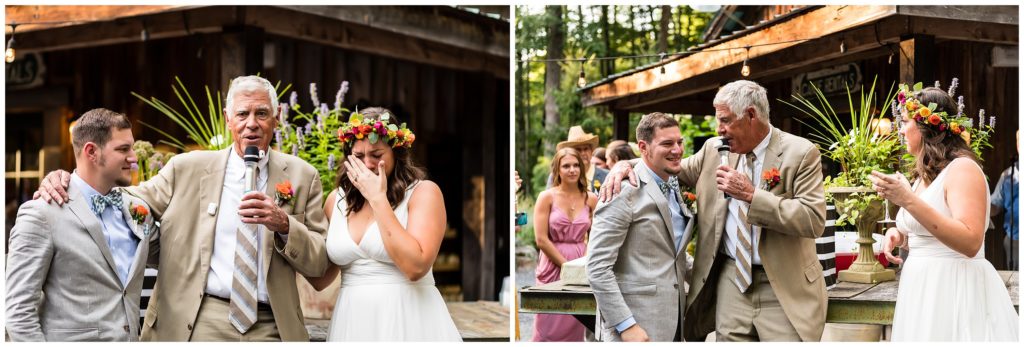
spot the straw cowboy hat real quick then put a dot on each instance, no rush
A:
(578, 138)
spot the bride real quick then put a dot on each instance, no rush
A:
(947, 290)
(386, 225)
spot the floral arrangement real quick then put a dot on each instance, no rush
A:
(690, 199)
(138, 213)
(771, 177)
(150, 161)
(382, 129)
(975, 135)
(313, 136)
(284, 193)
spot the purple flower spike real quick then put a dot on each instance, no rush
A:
(324, 111)
(330, 162)
(312, 94)
(340, 97)
(294, 99)
(277, 136)
(295, 150)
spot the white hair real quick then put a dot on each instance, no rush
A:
(251, 84)
(739, 95)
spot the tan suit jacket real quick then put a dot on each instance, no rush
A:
(180, 196)
(791, 215)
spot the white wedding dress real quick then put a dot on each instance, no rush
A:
(377, 302)
(943, 294)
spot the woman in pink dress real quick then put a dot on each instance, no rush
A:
(561, 223)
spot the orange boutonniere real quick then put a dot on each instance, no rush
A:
(771, 177)
(285, 193)
(690, 199)
(138, 212)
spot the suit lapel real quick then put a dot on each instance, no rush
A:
(773, 154)
(278, 173)
(141, 251)
(652, 189)
(92, 224)
(211, 187)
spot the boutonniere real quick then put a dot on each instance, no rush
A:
(597, 185)
(690, 199)
(285, 193)
(771, 177)
(138, 213)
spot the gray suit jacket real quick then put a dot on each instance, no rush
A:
(61, 280)
(633, 266)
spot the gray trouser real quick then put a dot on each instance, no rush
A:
(1012, 257)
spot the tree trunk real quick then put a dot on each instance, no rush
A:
(607, 65)
(666, 16)
(553, 72)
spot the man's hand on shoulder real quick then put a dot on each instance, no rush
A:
(613, 183)
(53, 187)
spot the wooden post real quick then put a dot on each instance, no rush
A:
(620, 119)
(241, 53)
(917, 59)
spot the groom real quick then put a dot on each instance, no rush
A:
(228, 257)
(756, 274)
(636, 265)
(74, 273)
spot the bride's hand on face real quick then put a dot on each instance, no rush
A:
(372, 186)
(895, 187)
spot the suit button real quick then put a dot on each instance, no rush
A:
(126, 329)
(676, 286)
(189, 327)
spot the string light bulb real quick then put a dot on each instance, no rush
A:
(582, 82)
(842, 46)
(662, 58)
(10, 53)
(745, 71)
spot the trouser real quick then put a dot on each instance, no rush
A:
(1012, 257)
(755, 315)
(212, 323)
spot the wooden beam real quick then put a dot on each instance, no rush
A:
(274, 20)
(982, 14)
(241, 53)
(60, 16)
(816, 23)
(481, 34)
(917, 59)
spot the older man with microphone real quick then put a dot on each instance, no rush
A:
(230, 243)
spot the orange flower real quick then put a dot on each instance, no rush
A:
(911, 106)
(925, 112)
(284, 188)
(933, 119)
(690, 196)
(953, 126)
(769, 174)
(410, 138)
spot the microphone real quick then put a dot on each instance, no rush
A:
(723, 155)
(251, 157)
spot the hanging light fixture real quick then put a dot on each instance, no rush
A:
(10, 53)
(145, 31)
(842, 45)
(662, 58)
(745, 71)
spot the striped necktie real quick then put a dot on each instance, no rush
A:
(744, 231)
(242, 309)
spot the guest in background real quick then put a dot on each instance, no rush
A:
(562, 219)
(619, 153)
(1005, 200)
(599, 160)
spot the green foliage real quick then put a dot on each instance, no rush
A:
(858, 149)
(631, 29)
(208, 130)
(316, 141)
(540, 173)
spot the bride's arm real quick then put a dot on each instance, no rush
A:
(964, 232)
(319, 283)
(413, 250)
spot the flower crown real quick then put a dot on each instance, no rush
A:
(959, 124)
(382, 129)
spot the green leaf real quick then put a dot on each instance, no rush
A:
(373, 138)
(932, 106)
(918, 86)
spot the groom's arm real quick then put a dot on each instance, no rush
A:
(28, 263)
(611, 224)
(801, 214)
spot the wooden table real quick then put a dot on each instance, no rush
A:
(476, 321)
(847, 303)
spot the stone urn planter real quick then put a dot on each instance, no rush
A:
(866, 268)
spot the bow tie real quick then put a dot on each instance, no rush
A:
(671, 185)
(100, 202)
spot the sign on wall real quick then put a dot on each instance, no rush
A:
(831, 81)
(25, 72)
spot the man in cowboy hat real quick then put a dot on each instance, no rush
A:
(584, 143)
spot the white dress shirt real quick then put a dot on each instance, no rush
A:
(731, 221)
(222, 263)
